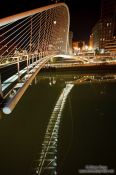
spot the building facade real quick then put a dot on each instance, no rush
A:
(104, 31)
(108, 18)
(97, 35)
(91, 41)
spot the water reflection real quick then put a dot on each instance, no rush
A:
(47, 163)
(79, 78)
(93, 115)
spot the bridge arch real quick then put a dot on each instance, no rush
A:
(32, 37)
(43, 30)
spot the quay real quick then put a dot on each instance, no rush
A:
(73, 66)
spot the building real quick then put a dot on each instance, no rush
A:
(108, 18)
(111, 46)
(78, 46)
(91, 41)
(97, 35)
(104, 30)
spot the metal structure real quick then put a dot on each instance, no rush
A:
(28, 40)
(36, 32)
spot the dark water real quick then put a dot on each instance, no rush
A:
(87, 134)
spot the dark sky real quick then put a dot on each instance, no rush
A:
(84, 13)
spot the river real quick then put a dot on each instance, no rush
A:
(86, 140)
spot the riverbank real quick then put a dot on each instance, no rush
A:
(108, 67)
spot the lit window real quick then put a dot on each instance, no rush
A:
(107, 24)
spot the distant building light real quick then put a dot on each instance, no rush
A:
(101, 50)
(90, 48)
(107, 24)
(86, 47)
(54, 22)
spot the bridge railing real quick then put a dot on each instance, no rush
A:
(41, 31)
(27, 41)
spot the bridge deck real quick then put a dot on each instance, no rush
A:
(20, 87)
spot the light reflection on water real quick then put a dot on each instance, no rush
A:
(75, 80)
(47, 163)
(80, 78)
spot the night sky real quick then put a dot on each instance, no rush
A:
(84, 13)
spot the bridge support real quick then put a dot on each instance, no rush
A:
(35, 33)
(1, 93)
(10, 105)
(33, 61)
(18, 68)
(27, 65)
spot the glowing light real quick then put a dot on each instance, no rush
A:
(51, 136)
(86, 47)
(90, 48)
(54, 22)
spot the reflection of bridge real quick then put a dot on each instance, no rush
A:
(47, 162)
(29, 40)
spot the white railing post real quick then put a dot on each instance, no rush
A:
(27, 65)
(18, 68)
(1, 93)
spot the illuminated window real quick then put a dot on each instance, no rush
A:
(107, 24)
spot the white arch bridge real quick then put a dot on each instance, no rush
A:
(27, 41)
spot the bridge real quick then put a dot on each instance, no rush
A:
(27, 42)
